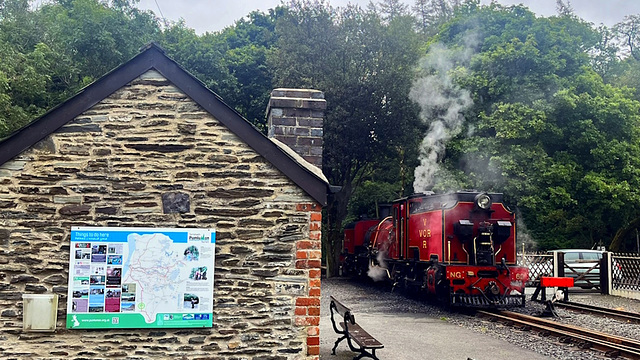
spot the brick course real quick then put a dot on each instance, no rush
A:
(295, 117)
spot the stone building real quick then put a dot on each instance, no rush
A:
(148, 145)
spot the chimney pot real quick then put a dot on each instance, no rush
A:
(295, 117)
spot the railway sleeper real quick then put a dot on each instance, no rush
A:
(612, 353)
(566, 339)
(585, 345)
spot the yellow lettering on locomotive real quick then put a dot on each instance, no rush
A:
(424, 232)
(520, 276)
(455, 275)
(424, 244)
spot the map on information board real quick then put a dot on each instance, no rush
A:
(140, 278)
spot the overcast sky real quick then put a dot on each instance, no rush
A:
(214, 15)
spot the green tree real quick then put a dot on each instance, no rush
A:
(391, 9)
(564, 8)
(628, 32)
(544, 128)
(432, 14)
(626, 72)
(203, 56)
(232, 62)
(23, 86)
(364, 64)
(605, 54)
(98, 35)
(250, 41)
(51, 51)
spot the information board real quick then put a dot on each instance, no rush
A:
(140, 278)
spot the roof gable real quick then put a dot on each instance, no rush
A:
(154, 57)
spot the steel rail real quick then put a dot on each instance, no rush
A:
(612, 344)
(618, 314)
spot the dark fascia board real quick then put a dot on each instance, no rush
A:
(154, 57)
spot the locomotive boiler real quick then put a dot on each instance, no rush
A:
(458, 247)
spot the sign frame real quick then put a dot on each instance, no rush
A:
(140, 277)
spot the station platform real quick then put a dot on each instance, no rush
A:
(405, 330)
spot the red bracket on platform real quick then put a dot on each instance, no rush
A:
(548, 281)
(563, 283)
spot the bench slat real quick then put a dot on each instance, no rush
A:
(353, 332)
(340, 308)
(362, 337)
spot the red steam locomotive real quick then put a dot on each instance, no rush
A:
(459, 247)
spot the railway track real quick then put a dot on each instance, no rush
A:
(612, 313)
(612, 345)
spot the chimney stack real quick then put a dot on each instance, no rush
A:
(295, 117)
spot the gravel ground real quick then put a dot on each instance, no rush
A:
(395, 302)
(599, 323)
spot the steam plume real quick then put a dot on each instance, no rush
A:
(378, 272)
(442, 104)
(524, 238)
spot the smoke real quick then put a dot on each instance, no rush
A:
(487, 168)
(525, 240)
(378, 272)
(442, 104)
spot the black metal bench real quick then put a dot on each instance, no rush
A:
(352, 332)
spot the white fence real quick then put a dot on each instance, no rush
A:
(615, 274)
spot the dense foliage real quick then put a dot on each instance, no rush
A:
(363, 60)
(51, 52)
(545, 110)
(544, 128)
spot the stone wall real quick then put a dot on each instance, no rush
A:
(149, 156)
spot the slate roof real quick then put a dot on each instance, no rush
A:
(154, 57)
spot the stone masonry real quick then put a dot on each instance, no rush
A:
(149, 156)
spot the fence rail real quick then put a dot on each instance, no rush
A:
(616, 274)
(539, 265)
(625, 269)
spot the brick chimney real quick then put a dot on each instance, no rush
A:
(295, 118)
